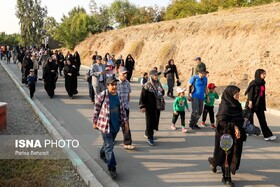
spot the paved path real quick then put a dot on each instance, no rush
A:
(177, 159)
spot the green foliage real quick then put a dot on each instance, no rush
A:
(11, 39)
(75, 27)
(50, 25)
(181, 9)
(31, 19)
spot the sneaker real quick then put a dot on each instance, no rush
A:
(212, 164)
(184, 130)
(173, 127)
(203, 124)
(151, 142)
(270, 138)
(213, 126)
(129, 147)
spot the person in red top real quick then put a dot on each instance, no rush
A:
(256, 102)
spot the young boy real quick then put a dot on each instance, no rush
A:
(31, 80)
(144, 79)
(209, 107)
(179, 109)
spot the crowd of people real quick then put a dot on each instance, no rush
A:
(109, 90)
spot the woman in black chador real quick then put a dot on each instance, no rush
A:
(77, 62)
(256, 102)
(50, 76)
(70, 73)
(229, 121)
(170, 73)
(129, 65)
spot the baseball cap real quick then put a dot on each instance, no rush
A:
(211, 85)
(99, 57)
(122, 70)
(154, 72)
(180, 90)
(111, 79)
(31, 70)
(107, 68)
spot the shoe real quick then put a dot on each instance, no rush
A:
(212, 164)
(113, 173)
(173, 127)
(203, 124)
(184, 130)
(196, 127)
(227, 181)
(213, 126)
(151, 142)
(129, 147)
(270, 138)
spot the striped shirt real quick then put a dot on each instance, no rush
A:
(124, 90)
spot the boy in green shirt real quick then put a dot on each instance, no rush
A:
(209, 107)
(179, 106)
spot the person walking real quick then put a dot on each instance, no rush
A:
(199, 84)
(31, 81)
(77, 62)
(209, 106)
(179, 106)
(229, 121)
(170, 73)
(199, 65)
(50, 75)
(129, 65)
(124, 90)
(70, 73)
(98, 76)
(150, 100)
(256, 102)
(109, 116)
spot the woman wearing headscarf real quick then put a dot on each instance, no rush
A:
(129, 65)
(229, 121)
(50, 76)
(256, 102)
(70, 73)
(77, 62)
(151, 92)
(170, 73)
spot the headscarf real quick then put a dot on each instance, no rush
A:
(230, 108)
(153, 85)
(258, 80)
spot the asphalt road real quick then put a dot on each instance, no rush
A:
(178, 159)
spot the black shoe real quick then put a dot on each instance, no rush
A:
(113, 173)
(212, 164)
(227, 181)
(196, 127)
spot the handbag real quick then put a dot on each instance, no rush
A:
(160, 104)
(250, 128)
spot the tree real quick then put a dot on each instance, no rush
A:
(75, 27)
(181, 9)
(31, 19)
(123, 12)
(50, 25)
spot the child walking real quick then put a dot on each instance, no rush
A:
(209, 107)
(31, 80)
(144, 79)
(179, 109)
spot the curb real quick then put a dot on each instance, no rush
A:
(77, 162)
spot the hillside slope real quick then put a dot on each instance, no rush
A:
(233, 44)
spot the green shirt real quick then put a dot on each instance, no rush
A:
(180, 103)
(212, 97)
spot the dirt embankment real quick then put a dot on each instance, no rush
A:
(233, 44)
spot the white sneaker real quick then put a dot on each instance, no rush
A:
(270, 138)
(173, 127)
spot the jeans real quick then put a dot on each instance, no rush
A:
(126, 132)
(182, 115)
(107, 149)
(91, 91)
(197, 107)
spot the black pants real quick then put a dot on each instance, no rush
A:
(262, 121)
(182, 115)
(32, 89)
(210, 110)
(126, 132)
